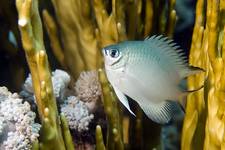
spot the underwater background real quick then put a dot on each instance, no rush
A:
(53, 90)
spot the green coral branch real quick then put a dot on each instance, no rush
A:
(32, 39)
(35, 145)
(66, 133)
(53, 36)
(99, 138)
(171, 19)
(148, 17)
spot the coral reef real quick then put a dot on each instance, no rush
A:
(204, 120)
(17, 127)
(77, 30)
(77, 114)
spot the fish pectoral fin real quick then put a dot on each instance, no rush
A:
(161, 112)
(123, 99)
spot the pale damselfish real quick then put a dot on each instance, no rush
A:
(151, 72)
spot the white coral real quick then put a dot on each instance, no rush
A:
(2, 124)
(13, 112)
(76, 113)
(60, 81)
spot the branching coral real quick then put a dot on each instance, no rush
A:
(17, 127)
(99, 139)
(205, 108)
(77, 33)
(32, 39)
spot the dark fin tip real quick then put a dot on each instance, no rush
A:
(182, 107)
(190, 91)
(196, 68)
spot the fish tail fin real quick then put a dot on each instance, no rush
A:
(183, 98)
(184, 91)
(191, 70)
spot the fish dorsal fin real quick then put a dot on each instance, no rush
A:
(123, 99)
(168, 47)
(161, 112)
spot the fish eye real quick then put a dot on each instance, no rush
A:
(114, 53)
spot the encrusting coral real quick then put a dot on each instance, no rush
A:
(204, 120)
(18, 130)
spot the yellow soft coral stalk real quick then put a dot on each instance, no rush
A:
(77, 34)
(99, 138)
(204, 121)
(53, 36)
(32, 39)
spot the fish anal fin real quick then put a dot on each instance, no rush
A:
(123, 99)
(161, 112)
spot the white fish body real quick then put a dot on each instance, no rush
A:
(149, 72)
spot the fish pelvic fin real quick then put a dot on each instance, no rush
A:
(161, 112)
(123, 99)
